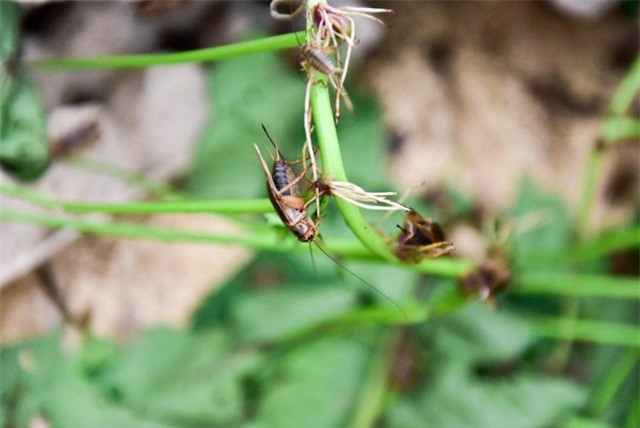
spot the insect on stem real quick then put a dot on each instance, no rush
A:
(282, 189)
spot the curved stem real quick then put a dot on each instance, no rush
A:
(333, 168)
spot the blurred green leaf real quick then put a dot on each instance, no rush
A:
(541, 223)
(275, 314)
(24, 148)
(314, 385)
(396, 283)
(362, 144)
(51, 383)
(246, 92)
(477, 334)
(457, 395)
(459, 400)
(9, 28)
(182, 377)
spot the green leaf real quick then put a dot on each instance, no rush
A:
(542, 224)
(395, 282)
(458, 400)
(288, 311)
(457, 395)
(51, 383)
(479, 334)
(24, 149)
(246, 92)
(315, 385)
(9, 28)
(182, 377)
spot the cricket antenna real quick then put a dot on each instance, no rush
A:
(360, 278)
(313, 262)
(264, 128)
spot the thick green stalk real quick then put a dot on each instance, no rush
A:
(263, 44)
(332, 166)
(333, 169)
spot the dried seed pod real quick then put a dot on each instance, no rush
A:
(487, 279)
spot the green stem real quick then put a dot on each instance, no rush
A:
(230, 206)
(583, 285)
(613, 127)
(626, 91)
(26, 194)
(151, 187)
(263, 44)
(602, 396)
(588, 249)
(374, 389)
(633, 415)
(333, 168)
(588, 194)
(602, 332)
(263, 241)
(620, 128)
(340, 248)
(269, 239)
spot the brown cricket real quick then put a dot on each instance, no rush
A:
(282, 188)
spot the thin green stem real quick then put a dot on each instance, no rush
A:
(152, 187)
(610, 132)
(613, 127)
(603, 395)
(588, 249)
(602, 332)
(633, 415)
(577, 421)
(617, 128)
(358, 318)
(263, 44)
(588, 194)
(374, 388)
(583, 285)
(264, 241)
(229, 206)
(267, 238)
(627, 91)
(28, 195)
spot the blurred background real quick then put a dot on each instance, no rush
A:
(488, 112)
